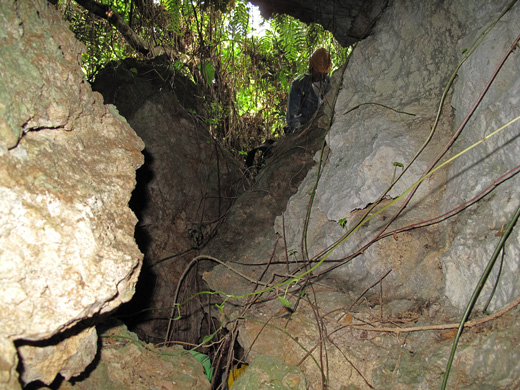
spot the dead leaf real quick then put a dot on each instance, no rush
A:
(501, 231)
(450, 334)
(347, 319)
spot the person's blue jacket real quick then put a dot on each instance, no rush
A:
(304, 100)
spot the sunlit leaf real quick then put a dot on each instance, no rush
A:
(284, 301)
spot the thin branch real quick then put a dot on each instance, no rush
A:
(469, 324)
(187, 269)
(351, 363)
(106, 12)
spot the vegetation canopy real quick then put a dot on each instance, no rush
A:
(244, 75)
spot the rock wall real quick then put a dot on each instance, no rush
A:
(392, 90)
(67, 169)
(184, 189)
(473, 235)
(349, 20)
(66, 233)
(391, 94)
(394, 93)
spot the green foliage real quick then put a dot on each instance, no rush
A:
(343, 222)
(284, 301)
(244, 77)
(206, 363)
(239, 21)
(103, 43)
(208, 71)
(174, 9)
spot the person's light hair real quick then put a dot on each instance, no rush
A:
(320, 61)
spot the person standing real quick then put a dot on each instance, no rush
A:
(307, 91)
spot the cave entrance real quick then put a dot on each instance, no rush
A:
(215, 87)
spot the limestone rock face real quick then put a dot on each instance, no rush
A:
(67, 357)
(392, 96)
(475, 234)
(67, 169)
(384, 113)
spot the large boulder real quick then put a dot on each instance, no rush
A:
(384, 113)
(125, 362)
(67, 169)
(473, 235)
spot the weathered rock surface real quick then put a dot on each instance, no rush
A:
(474, 234)
(392, 91)
(68, 357)
(349, 20)
(184, 189)
(125, 362)
(383, 117)
(366, 139)
(67, 251)
(351, 353)
(67, 169)
(268, 372)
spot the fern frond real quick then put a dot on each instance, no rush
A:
(240, 20)
(174, 8)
